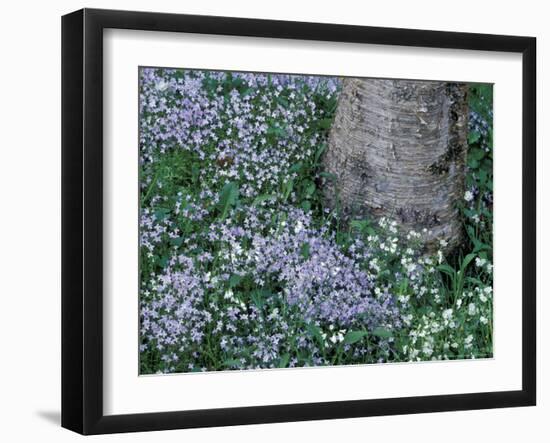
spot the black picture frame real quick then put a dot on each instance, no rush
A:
(82, 215)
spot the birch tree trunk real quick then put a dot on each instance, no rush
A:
(397, 149)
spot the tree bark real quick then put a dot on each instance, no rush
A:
(397, 149)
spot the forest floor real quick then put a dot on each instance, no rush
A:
(242, 266)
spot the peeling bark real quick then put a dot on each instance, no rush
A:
(398, 150)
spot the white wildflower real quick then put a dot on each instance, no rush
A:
(161, 85)
(480, 262)
(427, 349)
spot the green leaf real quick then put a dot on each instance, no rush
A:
(447, 270)
(382, 333)
(320, 151)
(176, 241)
(305, 251)
(232, 362)
(277, 131)
(283, 361)
(342, 238)
(161, 214)
(234, 280)
(473, 137)
(360, 225)
(325, 123)
(306, 205)
(467, 260)
(354, 336)
(228, 197)
(295, 167)
(195, 172)
(475, 281)
(258, 297)
(163, 261)
(247, 91)
(287, 190)
(282, 101)
(476, 154)
(480, 246)
(310, 189)
(471, 232)
(403, 286)
(315, 332)
(482, 176)
(262, 198)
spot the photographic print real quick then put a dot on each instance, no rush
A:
(291, 221)
(240, 228)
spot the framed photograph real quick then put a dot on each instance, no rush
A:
(269, 221)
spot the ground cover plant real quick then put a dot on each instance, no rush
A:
(245, 265)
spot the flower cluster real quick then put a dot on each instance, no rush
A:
(317, 294)
(443, 318)
(250, 127)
